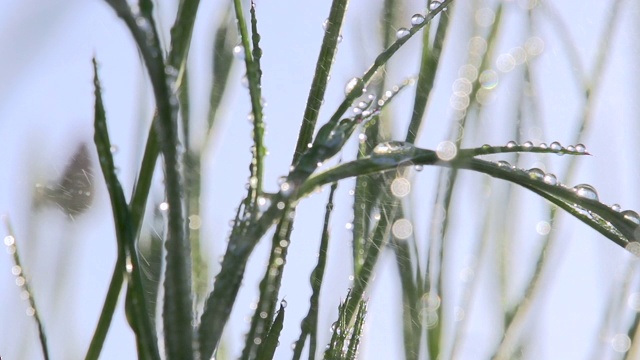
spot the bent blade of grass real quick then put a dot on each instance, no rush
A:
(620, 230)
(309, 325)
(127, 252)
(12, 248)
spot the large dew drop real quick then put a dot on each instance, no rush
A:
(354, 84)
(586, 191)
(402, 33)
(631, 216)
(391, 147)
(417, 19)
(555, 146)
(535, 173)
(511, 144)
(550, 179)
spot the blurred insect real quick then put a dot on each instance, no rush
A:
(73, 192)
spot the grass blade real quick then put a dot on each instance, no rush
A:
(127, 252)
(309, 325)
(268, 348)
(18, 271)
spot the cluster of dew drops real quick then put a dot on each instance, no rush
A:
(16, 270)
(416, 20)
(585, 191)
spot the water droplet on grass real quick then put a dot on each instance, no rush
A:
(571, 148)
(238, 52)
(390, 147)
(555, 146)
(616, 207)
(419, 167)
(417, 19)
(550, 179)
(581, 148)
(354, 84)
(402, 33)
(434, 5)
(505, 165)
(527, 145)
(586, 191)
(543, 146)
(511, 144)
(631, 216)
(535, 173)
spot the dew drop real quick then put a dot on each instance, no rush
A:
(362, 138)
(586, 191)
(581, 148)
(485, 147)
(354, 84)
(535, 173)
(417, 19)
(571, 148)
(391, 147)
(631, 216)
(555, 146)
(419, 167)
(543, 146)
(505, 165)
(550, 179)
(527, 145)
(434, 5)
(511, 144)
(164, 206)
(616, 207)
(325, 24)
(402, 33)
(238, 52)
(113, 149)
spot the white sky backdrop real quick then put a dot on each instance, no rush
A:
(46, 109)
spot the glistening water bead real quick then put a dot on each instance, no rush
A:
(402, 33)
(586, 191)
(417, 19)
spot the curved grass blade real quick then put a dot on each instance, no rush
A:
(619, 227)
(268, 348)
(309, 325)
(127, 252)
(21, 279)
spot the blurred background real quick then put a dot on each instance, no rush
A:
(558, 71)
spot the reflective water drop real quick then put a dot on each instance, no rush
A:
(362, 138)
(616, 207)
(550, 179)
(417, 19)
(543, 146)
(402, 33)
(354, 84)
(325, 24)
(571, 148)
(485, 147)
(391, 147)
(586, 191)
(113, 149)
(363, 105)
(238, 52)
(527, 145)
(419, 167)
(555, 146)
(581, 148)
(511, 144)
(434, 5)
(505, 165)
(535, 173)
(164, 206)
(631, 216)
